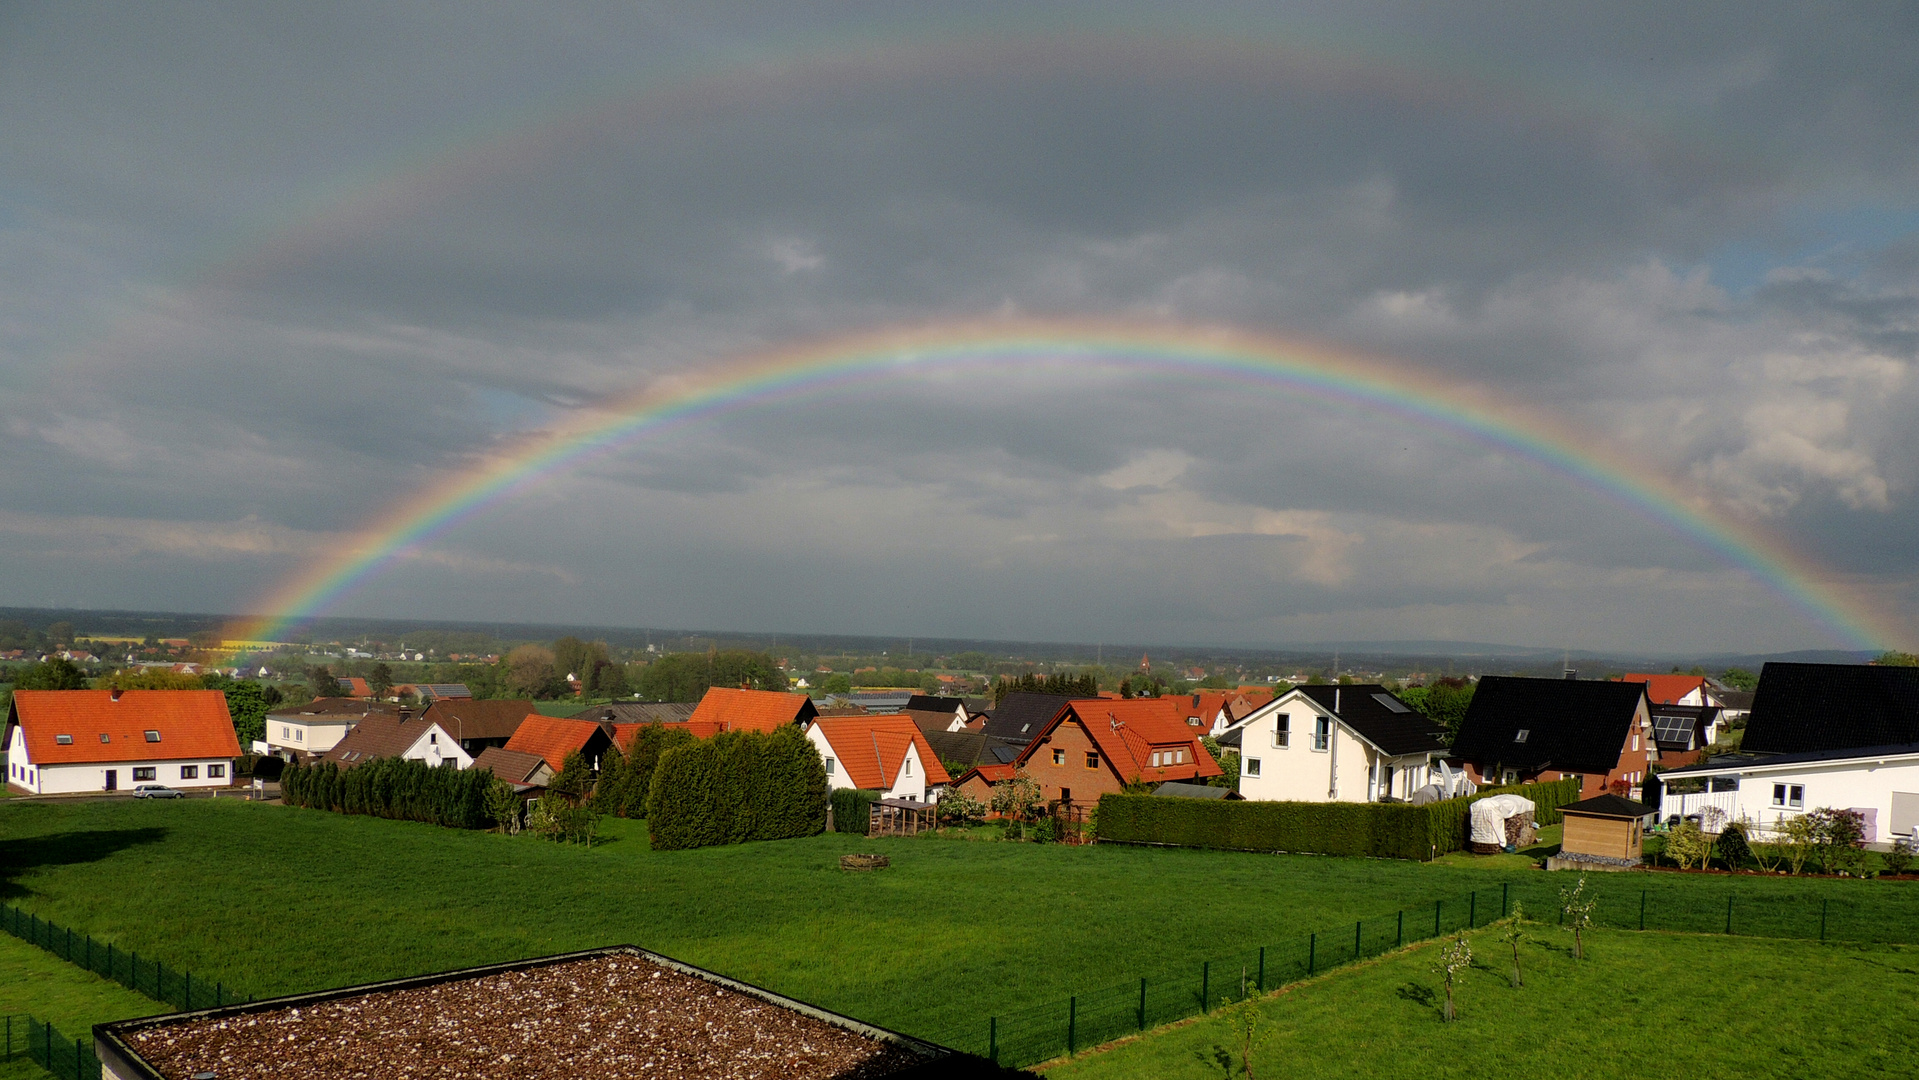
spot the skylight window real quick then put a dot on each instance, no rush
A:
(153, 736)
(1391, 703)
(63, 740)
(105, 738)
(1521, 737)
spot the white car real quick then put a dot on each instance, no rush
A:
(157, 791)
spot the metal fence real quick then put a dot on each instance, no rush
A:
(45, 1046)
(170, 986)
(1044, 1032)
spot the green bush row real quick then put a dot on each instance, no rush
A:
(626, 779)
(853, 809)
(392, 788)
(737, 786)
(1377, 830)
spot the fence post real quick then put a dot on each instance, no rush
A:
(1436, 904)
(1823, 904)
(1729, 914)
(1399, 938)
(1472, 910)
(1642, 909)
(188, 994)
(1312, 952)
(1262, 969)
(1504, 891)
(992, 1039)
(1072, 1025)
(1142, 1004)
(1205, 985)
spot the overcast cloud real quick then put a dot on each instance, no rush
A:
(267, 270)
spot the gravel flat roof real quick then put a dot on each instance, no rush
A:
(609, 1016)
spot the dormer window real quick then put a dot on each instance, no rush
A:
(153, 736)
(1521, 737)
(63, 740)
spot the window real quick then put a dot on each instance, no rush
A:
(143, 774)
(284, 733)
(1635, 740)
(1322, 732)
(829, 766)
(433, 738)
(1521, 737)
(1789, 795)
(1511, 777)
(216, 772)
(300, 735)
(1725, 783)
(1282, 730)
(189, 772)
(909, 766)
(105, 738)
(1249, 766)
(63, 740)
(1092, 759)
(1059, 757)
(1179, 756)
(153, 736)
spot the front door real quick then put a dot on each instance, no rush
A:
(113, 779)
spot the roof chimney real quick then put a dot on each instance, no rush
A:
(405, 714)
(115, 693)
(1572, 673)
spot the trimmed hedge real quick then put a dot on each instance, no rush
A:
(853, 809)
(1377, 830)
(737, 786)
(392, 788)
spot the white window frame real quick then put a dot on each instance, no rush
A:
(1322, 733)
(829, 766)
(1789, 796)
(1249, 766)
(1282, 730)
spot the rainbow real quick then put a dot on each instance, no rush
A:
(1218, 354)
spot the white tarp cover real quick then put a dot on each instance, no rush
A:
(1490, 814)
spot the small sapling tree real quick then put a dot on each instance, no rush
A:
(1515, 933)
(1798, 838)
(1840, 838)
(1455, 957)
(1733, 846)
(503, 805)
(1687, 845)
(1577, 908)
(1017, 799)
(1899, 859)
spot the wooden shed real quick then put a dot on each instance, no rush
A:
(1606, 826)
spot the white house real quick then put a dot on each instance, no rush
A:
(1354, 743)
(404, 735)
(297, 731)
(887, 754)
(1882, 783)
(71, 741)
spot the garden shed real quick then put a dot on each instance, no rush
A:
(1604, 826)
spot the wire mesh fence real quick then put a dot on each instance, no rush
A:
(45, 1045)
(171, 986)
(1044, 1032)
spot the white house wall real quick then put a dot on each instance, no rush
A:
(307, 738)
(911, 781)
(1839, 785)
(436, 747)
(1297, 772)
(836, 776)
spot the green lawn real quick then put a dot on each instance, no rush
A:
(274, 900)
(35, 981)
(1641, 1005)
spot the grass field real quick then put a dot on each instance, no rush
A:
(1641, 1004)
(276, 900)
(71, 999)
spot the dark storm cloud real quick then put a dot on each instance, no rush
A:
(284, 265)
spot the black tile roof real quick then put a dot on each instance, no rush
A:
(1179, 790)
(1735, 762)
(641, 712)
(929, 703)
(1609, 806)
(1397, 728)
(1575, 725)
(1020, 717)
(1805, 707)
(1678, 728)
(971, 748)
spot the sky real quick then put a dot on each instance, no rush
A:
(269, 272)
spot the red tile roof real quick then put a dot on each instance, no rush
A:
(509, 765)
(992, 774)
(871, 749)
(750, 710)
(356, 687)
(552, 738)
(191, 724)
(1129, 733)
(1667, 689)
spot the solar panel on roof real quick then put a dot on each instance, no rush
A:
(1675, 729)
(1392, 703)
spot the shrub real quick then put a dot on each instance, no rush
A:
(1687, 846)
(1899, 859)
(1381, 830)
(1839, 836)
(737, 786)
(852, 809)
(1733, 846)
(955, 807)
(392, 788)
